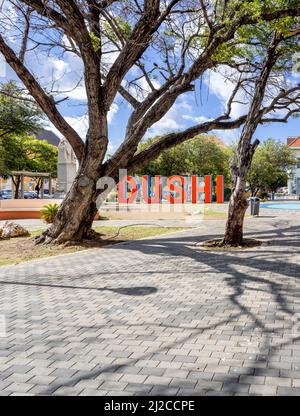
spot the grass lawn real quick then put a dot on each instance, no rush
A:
(18, 250)
(211, 214)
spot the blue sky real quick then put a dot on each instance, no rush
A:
(189, 109)
(63, 73)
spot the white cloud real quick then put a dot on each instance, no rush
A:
(228, 136)
(59, 66)
(62, 76)
(181, 116)
(173, 120)
(77, 93)
(196, 119)
(145, 86)
(81, 124)
(112, 113)
(222, 89)
(9, 19)
(166, 124)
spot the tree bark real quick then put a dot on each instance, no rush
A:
(238, 202)
(17, 183)
(77, 212)
(245, 152)
(236, 213)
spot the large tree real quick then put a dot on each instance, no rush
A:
(273, 63)
(169, 44)
(271, 164)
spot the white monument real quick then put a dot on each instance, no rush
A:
(66, 167)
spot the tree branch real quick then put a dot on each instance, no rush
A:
(25, 34)
(269, 16)
(135, 46)
(173, 139)
(46, 11)
(170, 140)
(44, 101)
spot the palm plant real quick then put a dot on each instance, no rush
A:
(49, 212)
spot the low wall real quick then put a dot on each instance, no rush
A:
(17, 209)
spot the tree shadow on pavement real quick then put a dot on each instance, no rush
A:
(268, 271)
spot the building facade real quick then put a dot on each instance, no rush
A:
(294, 181)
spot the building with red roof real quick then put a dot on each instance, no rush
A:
(294, 182)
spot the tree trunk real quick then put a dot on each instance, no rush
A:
(77, 212)
(17, 183)
(38, 187)
(237, 208)
(245, 152)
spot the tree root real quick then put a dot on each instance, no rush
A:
(92, 238)
(45, 240)
(220, 244)
(92, 235)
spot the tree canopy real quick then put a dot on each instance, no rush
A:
(150, 53)
(203, 155)
(25, 153)
(18, 114)
(270, 166)
(20, 119)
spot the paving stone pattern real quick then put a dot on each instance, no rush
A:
(157, 317)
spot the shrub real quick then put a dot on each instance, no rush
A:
(49, 212)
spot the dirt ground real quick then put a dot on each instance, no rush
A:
(18, 250)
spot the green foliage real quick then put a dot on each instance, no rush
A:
(42, 156)
(16, 115)
(49, 212)
(96, 41)
(250, 41)
(2, 159)
(203, 155)
(25, 153)
(269, 168)
(19, 120)
(123, 29)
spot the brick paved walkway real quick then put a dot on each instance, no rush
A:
(156, 316)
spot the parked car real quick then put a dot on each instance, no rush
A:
(47, 196)
(30, 195)
(7, 194)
